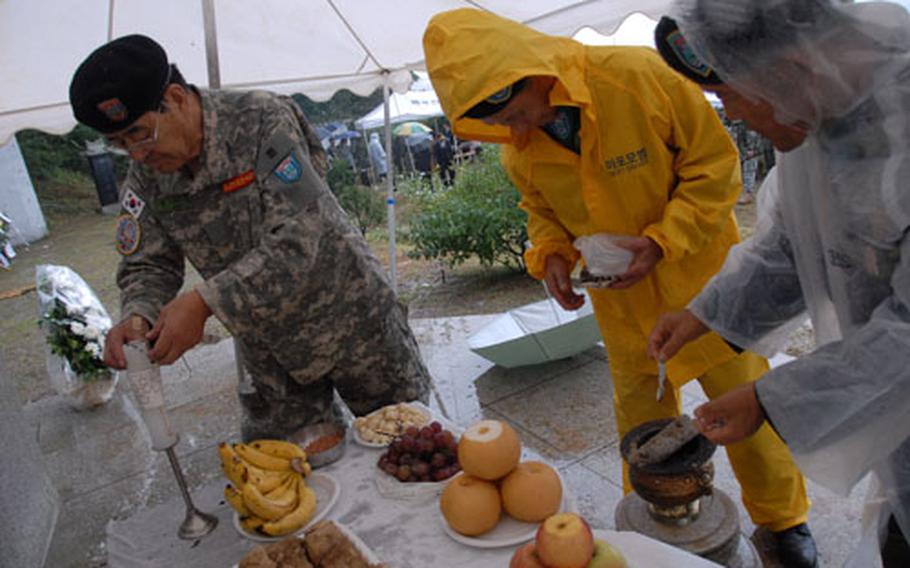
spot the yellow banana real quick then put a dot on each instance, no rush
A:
(296, 519)
(251, 523)
(235, 499)
(266, 480)
(279, 449)
(262, 506)
(286, 493)
(307, 469)
(262, 460)
(231, 464)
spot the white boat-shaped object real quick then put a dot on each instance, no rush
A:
(536, 333)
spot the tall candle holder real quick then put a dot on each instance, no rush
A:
(144, 378)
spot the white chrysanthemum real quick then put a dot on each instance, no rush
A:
(92, 332)
(77, 328)
(93, 348)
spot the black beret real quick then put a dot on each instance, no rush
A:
(678, 54)
(495, 102)
(119, 82)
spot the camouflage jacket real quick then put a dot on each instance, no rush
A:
(284, 269)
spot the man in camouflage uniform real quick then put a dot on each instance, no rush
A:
(228, 181)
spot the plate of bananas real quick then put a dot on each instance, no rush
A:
(272, 490)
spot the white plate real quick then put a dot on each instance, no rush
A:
(415, 404)
(509, 532)
(640, 550)
(390, 488)
(363, 442)
(361, 546)
(326, 489)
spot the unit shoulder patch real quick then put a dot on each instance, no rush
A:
(686, 54)
(129, 234)
(289, 169)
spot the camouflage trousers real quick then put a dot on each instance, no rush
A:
(275, 405)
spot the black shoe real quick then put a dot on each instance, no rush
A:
(895, 550)
(796, 547)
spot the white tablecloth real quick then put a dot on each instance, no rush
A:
(404, 533)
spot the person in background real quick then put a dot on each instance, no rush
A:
(750, 172)
(829, 84)
(444, 154)
(230, 181)
(609, 140)
(421, 148)
(378, 157)
(447, 132)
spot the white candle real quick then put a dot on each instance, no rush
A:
(145, 381)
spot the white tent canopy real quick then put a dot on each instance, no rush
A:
(413, 105)
(315, 47)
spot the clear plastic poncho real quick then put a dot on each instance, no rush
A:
(378, 155)
(832, 239)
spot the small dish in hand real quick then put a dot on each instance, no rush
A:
(323, 442)
(588, 280)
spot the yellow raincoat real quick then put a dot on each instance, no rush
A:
(655, 161)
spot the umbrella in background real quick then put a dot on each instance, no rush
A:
(411, 128)
(344, 135)
(418, 140)
(536, 333)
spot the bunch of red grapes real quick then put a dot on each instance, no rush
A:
(422, 454)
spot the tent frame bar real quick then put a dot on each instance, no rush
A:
(211, 44)
(390, 182)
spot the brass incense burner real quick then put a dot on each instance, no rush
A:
(675, 502)
(674, 486)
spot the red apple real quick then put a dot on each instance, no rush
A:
(564, 540)
(526, 557)
(606, 556)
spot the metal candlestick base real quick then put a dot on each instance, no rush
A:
(196, 524)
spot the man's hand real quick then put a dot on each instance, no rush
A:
(732, 417)
(646, 254)
(179, 327)
(559, 283)
(671, 333)
(132, 328)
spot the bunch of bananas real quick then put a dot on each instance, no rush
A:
(268, 486)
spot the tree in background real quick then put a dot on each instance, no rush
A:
(60, 171)
(344, 106)
(364, 206)
(478, 216)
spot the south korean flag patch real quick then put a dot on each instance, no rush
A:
(132, 203)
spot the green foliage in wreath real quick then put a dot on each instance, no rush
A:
(70, 337)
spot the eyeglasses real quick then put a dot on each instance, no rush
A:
(130, 140)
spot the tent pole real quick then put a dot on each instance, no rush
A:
(390, 181)
(110, 20)
(211, 44)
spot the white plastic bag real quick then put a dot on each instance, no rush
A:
(68, 306)
(603, 257)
